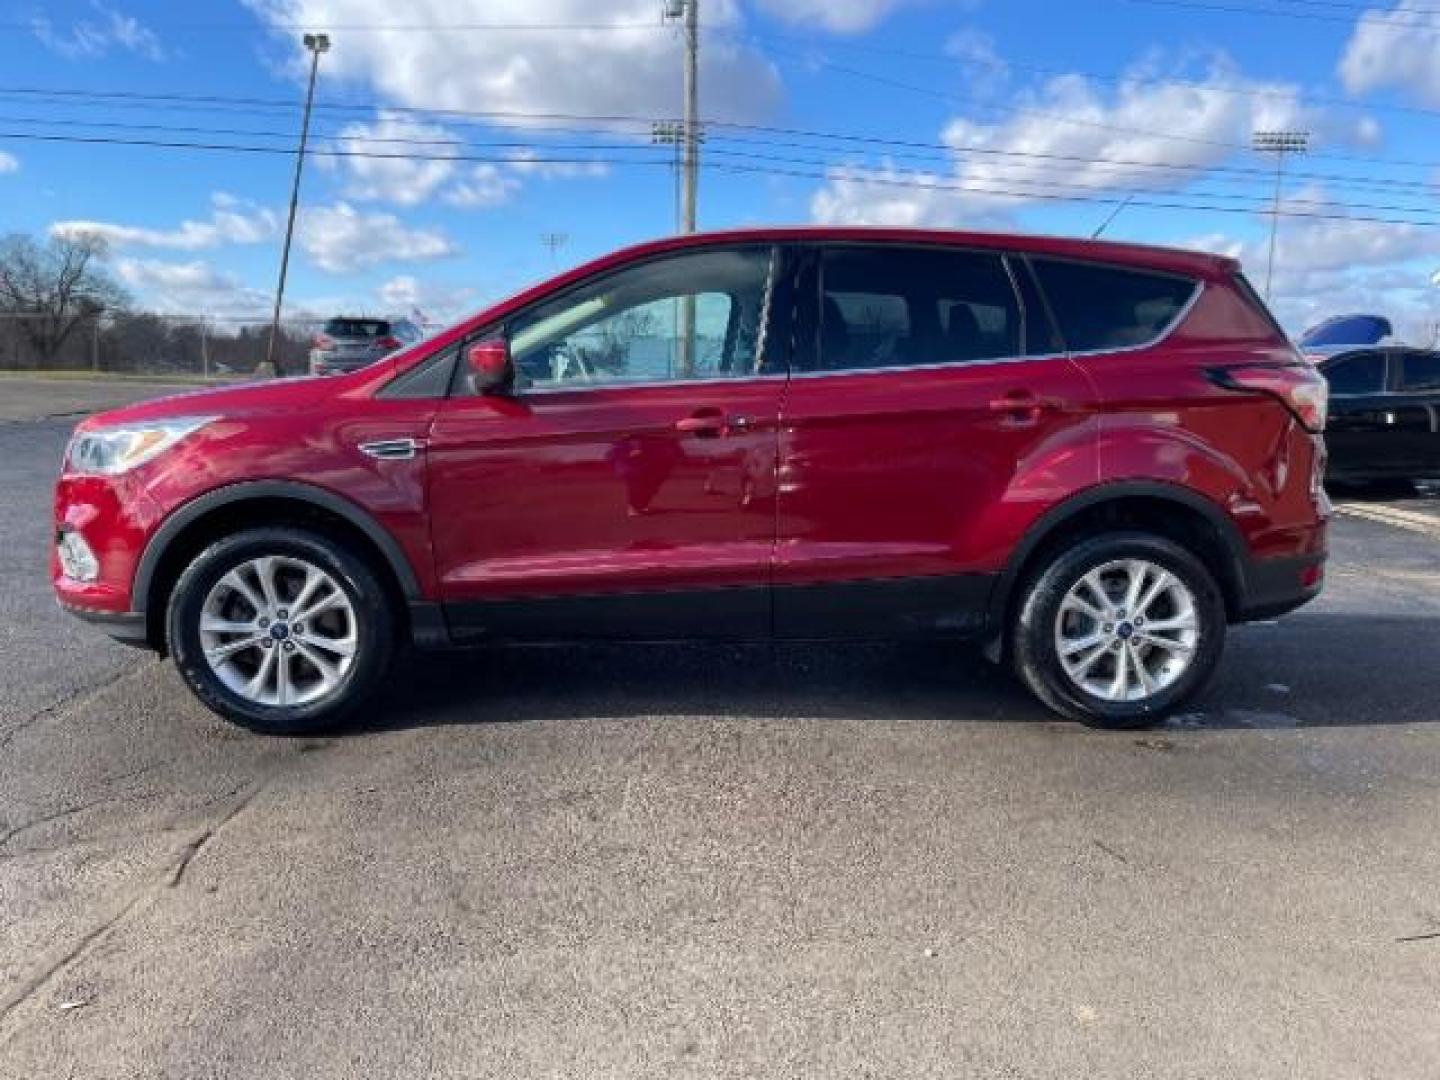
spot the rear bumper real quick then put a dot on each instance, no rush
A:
(1274, 587)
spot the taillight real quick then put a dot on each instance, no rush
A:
(389, 342)
(324, 341)
(1301, 388)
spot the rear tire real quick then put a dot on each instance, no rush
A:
(1088, 656)
(281, 630)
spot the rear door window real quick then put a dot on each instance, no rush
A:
(1355, 374)
(1420, 372)
(1107, 307)
(885, 307)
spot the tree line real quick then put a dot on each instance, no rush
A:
(60, 309)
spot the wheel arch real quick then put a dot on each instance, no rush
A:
(1170, 510)
(187, 530)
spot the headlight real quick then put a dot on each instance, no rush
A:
(108, 451)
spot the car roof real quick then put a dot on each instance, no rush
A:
(1146, 256)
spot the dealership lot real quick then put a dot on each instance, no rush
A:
(727, 861)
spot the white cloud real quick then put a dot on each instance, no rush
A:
(630, 71)
(400, 179)
(231, 221)
(528, 163)
(1395, 47)
(1329, 266)
(901, 198)
(837, 16)
(9, 163)
(189, 288)
(94, 37)
(341, 239)
(406, 295)
(485, 186)
(1071, 137)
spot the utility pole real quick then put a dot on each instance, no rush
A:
(553, 242)
(690, 11)
(1278, 143)
(317, 44)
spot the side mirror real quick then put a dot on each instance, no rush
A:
(491, 369)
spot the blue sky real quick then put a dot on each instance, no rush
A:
(1029, 115)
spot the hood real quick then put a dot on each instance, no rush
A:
(238, 399)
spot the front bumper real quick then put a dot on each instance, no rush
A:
(127, 627)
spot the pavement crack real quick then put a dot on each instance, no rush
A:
(194, 847)
(1418, 937)
(71, 700)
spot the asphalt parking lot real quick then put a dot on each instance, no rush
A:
(845, 861)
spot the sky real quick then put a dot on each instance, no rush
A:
(453, 138)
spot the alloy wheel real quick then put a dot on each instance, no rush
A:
(279, 631)
(1127, 630)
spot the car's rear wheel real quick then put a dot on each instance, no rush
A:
(281, 630)
(1119, 630)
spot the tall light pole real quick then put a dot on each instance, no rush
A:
(1278, 143)
(317, 44)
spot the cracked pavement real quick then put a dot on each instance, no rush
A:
(725, 861)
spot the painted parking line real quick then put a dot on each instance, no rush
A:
(1425, 524)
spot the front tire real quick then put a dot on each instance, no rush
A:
(281, 630)
(1119, 630)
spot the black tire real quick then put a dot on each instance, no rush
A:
(1037, 658)
(374, 629)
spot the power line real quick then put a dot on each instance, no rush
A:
(517, 118)
(1384, 18)
(831, 174)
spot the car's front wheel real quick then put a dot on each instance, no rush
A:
(281, 630)
(1119, 630)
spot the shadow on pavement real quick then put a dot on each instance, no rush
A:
(1309, 671)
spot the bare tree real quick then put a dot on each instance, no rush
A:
(53, 288)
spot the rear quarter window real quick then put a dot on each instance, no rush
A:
(1355, 373)
(1108, 307)
(357, 328)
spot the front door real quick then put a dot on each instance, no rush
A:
(626, 488)
(915, 433)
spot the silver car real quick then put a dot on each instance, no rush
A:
(347, 343)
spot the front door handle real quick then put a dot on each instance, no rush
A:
(1020, 406)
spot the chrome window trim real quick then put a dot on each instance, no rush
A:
(1163, 335)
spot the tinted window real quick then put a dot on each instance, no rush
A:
(630, 326)
(888, 307)
(1357, 373)
(1420, 371)
(357, 328)
(1105, 307)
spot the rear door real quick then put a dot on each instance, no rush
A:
(1362, 434)
(1417, 402)
(626, 488)
(912, 413)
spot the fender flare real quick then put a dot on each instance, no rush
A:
(295, 491)
(1236, 572)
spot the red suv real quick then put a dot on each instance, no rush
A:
(1090, 457)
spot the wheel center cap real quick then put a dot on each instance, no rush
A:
(1124, 631)
(279, 631)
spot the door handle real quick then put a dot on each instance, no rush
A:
(1020, 405)
(710, 423)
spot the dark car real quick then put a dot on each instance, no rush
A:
(1384, 413)
(349, 343)
(1090, 458)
